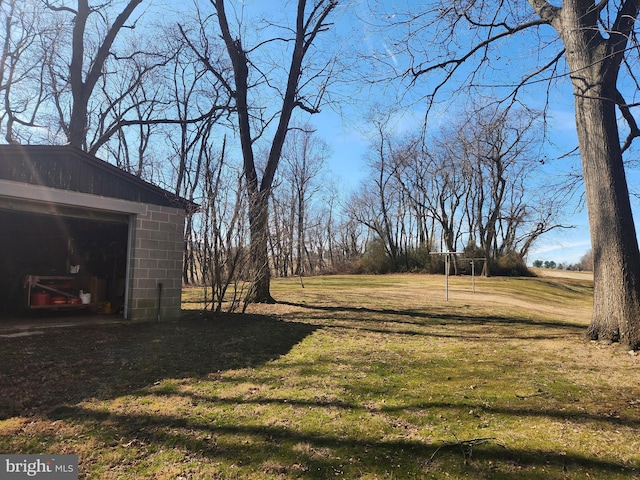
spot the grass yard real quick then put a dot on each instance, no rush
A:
(359, 377)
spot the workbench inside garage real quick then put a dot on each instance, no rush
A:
(51, 292)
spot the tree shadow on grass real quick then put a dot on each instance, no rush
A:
(460, 408)
(418, 318)
(322, 455)
(68, 365)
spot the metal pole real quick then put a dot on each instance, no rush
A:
(447, 262)
(473, 276)
(446, 277)
(159, 301)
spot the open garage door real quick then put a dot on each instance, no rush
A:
(49, 259)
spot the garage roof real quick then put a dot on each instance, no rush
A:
(69, 168)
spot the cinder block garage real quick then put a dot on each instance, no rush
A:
(79, 234)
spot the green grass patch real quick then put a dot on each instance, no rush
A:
(364, 377)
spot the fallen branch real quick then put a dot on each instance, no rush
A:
(539, 393)
(466, 446)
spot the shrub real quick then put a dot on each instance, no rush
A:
(512, 265)
(419, 259)
(375, 259)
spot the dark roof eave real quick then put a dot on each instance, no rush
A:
(173, 199)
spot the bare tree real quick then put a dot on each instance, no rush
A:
(282, 228)
(593, 45)
(130, 149)
(379, 204)
(26, 51)
(83, 78)
(586, 261)
(498, 146)
(302, 87)
(190, 142)
(304, 156)
(479, 171)
(223, 254)
(341, 235)
(437, 182)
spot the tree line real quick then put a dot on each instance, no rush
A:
(585, 264)
(474, 185)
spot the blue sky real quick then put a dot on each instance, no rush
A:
(345, 134)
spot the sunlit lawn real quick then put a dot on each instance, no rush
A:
(348, 377)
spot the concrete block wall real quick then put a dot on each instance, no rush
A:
(157, 256)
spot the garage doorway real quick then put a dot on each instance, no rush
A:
(49, 258)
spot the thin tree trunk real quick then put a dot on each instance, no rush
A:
(300, 228)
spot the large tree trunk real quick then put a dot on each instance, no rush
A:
(616, 302)
(259, 231)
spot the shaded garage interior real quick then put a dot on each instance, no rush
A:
(71, 222)
(70, 251)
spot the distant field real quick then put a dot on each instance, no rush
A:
(551, 272)
(358, 377)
